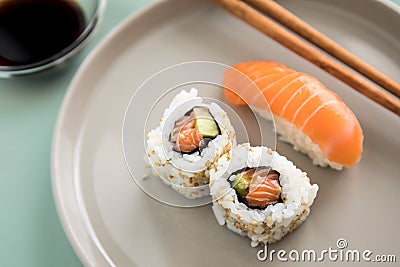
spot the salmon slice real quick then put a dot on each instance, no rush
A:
(184, 123)
(188, 140)
(301, 100)
(185, 136)
(243, 75)
(264, 189)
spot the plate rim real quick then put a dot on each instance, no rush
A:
(72, 237)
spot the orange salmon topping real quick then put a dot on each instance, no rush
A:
(301, 100)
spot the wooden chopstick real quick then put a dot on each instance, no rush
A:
(300, 47)
(303, 29)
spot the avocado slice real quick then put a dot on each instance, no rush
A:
(241, 184)
(205, 123)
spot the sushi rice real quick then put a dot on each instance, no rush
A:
(188, 174)
(267, 225)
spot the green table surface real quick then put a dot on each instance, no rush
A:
(30, 230)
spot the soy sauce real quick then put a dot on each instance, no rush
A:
(35, 30)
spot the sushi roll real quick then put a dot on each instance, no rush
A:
(260, 194)
(191, 136)
(306, 113)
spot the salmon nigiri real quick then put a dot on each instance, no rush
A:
(307, 114)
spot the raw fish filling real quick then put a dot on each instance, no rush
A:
(193, 131)
(257, 187)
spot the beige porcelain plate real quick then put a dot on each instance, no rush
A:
(109, 220)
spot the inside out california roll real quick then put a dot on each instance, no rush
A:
(192, 135)
(260, 194)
